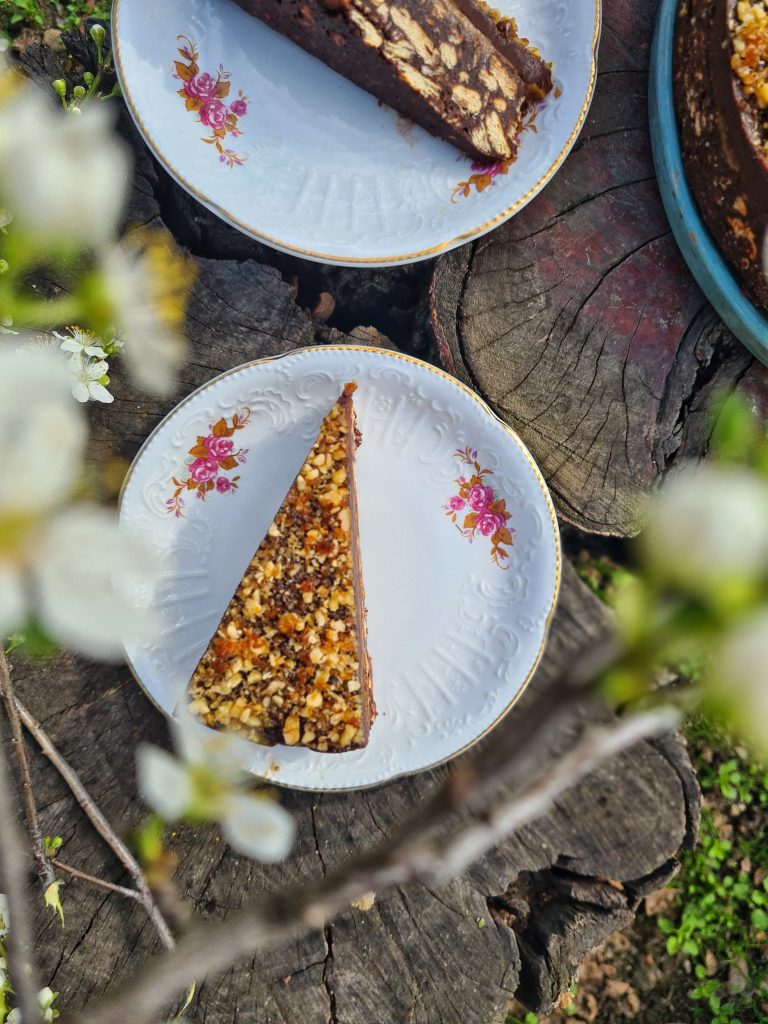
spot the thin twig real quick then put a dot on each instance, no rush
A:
(21, 966)
(100, 823)
(427, 858)
(42, 864)
(101, 883)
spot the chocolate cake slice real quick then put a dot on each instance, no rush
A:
(288, 662)
(449, 65)
(721, 98)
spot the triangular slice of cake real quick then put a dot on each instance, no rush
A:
(288, 662)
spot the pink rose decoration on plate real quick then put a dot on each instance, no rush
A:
(210, 459)
(480, 496)
(206, 95)
(203, 470)
(487, 514)
(219, 447)
(214, 114)
(489, 522)
(201, 87)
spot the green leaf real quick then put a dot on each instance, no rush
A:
(673, 944)
(53, 899)
(759, 919)
(52, 844)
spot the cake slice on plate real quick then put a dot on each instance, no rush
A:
(288, 662)
(452, 66)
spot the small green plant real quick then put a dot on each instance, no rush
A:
(77, 10)
(720, 920)
(19, 13)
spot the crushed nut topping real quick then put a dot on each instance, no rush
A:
(288, 662)
(750, 55)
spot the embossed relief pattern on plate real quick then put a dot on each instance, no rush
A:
(327, 170)
(453, 638)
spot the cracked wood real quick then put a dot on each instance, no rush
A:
(578, 320)
(418, 955)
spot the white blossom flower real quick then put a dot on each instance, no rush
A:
(217, 752)
(708, 526)
(64, 178)
(257, 827)
(13, 598)
(207, 784)
(45, 1000)
(89, 572)
(737, 680)
(164, 782)
(43, 431)
(80, 342)
(90, 377)
(146, 284)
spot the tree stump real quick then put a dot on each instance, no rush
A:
(520, 920)
(579, 322)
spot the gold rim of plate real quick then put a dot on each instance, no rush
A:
(384, 353)
(363, 260)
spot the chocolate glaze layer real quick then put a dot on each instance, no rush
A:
(361, 612)
(726, 171)
(534, 70)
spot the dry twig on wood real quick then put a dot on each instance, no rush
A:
(100, 823)
(21, 965)
(42, 864)
(425, 855)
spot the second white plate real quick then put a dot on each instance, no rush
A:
(309, 163)
(459, 538)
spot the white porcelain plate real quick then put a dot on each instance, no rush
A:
(313, 165)
(457, 610)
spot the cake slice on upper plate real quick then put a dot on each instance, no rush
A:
(452, 66)
(288, 662)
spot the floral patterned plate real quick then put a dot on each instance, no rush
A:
(459, 538)
(291, 153)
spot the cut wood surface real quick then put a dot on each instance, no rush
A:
(578, 320)
(521, 919)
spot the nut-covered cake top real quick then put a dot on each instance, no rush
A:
(749, 31)
(288, 662)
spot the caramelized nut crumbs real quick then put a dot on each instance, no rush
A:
(287, 663)
(749, 60)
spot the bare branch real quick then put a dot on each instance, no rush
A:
(100, 883)
(100, 823)
(21, 966)
(428, 856)
(42, 865)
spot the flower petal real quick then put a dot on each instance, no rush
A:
(13, 602)
(164, 782)
(99, 393)
(80, 391)
(258, 827)
(30, 479)
(96, 582)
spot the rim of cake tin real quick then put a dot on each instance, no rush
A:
(402, 356)
(351, 261)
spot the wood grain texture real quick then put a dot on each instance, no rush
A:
(419, 955)
(578, 320)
